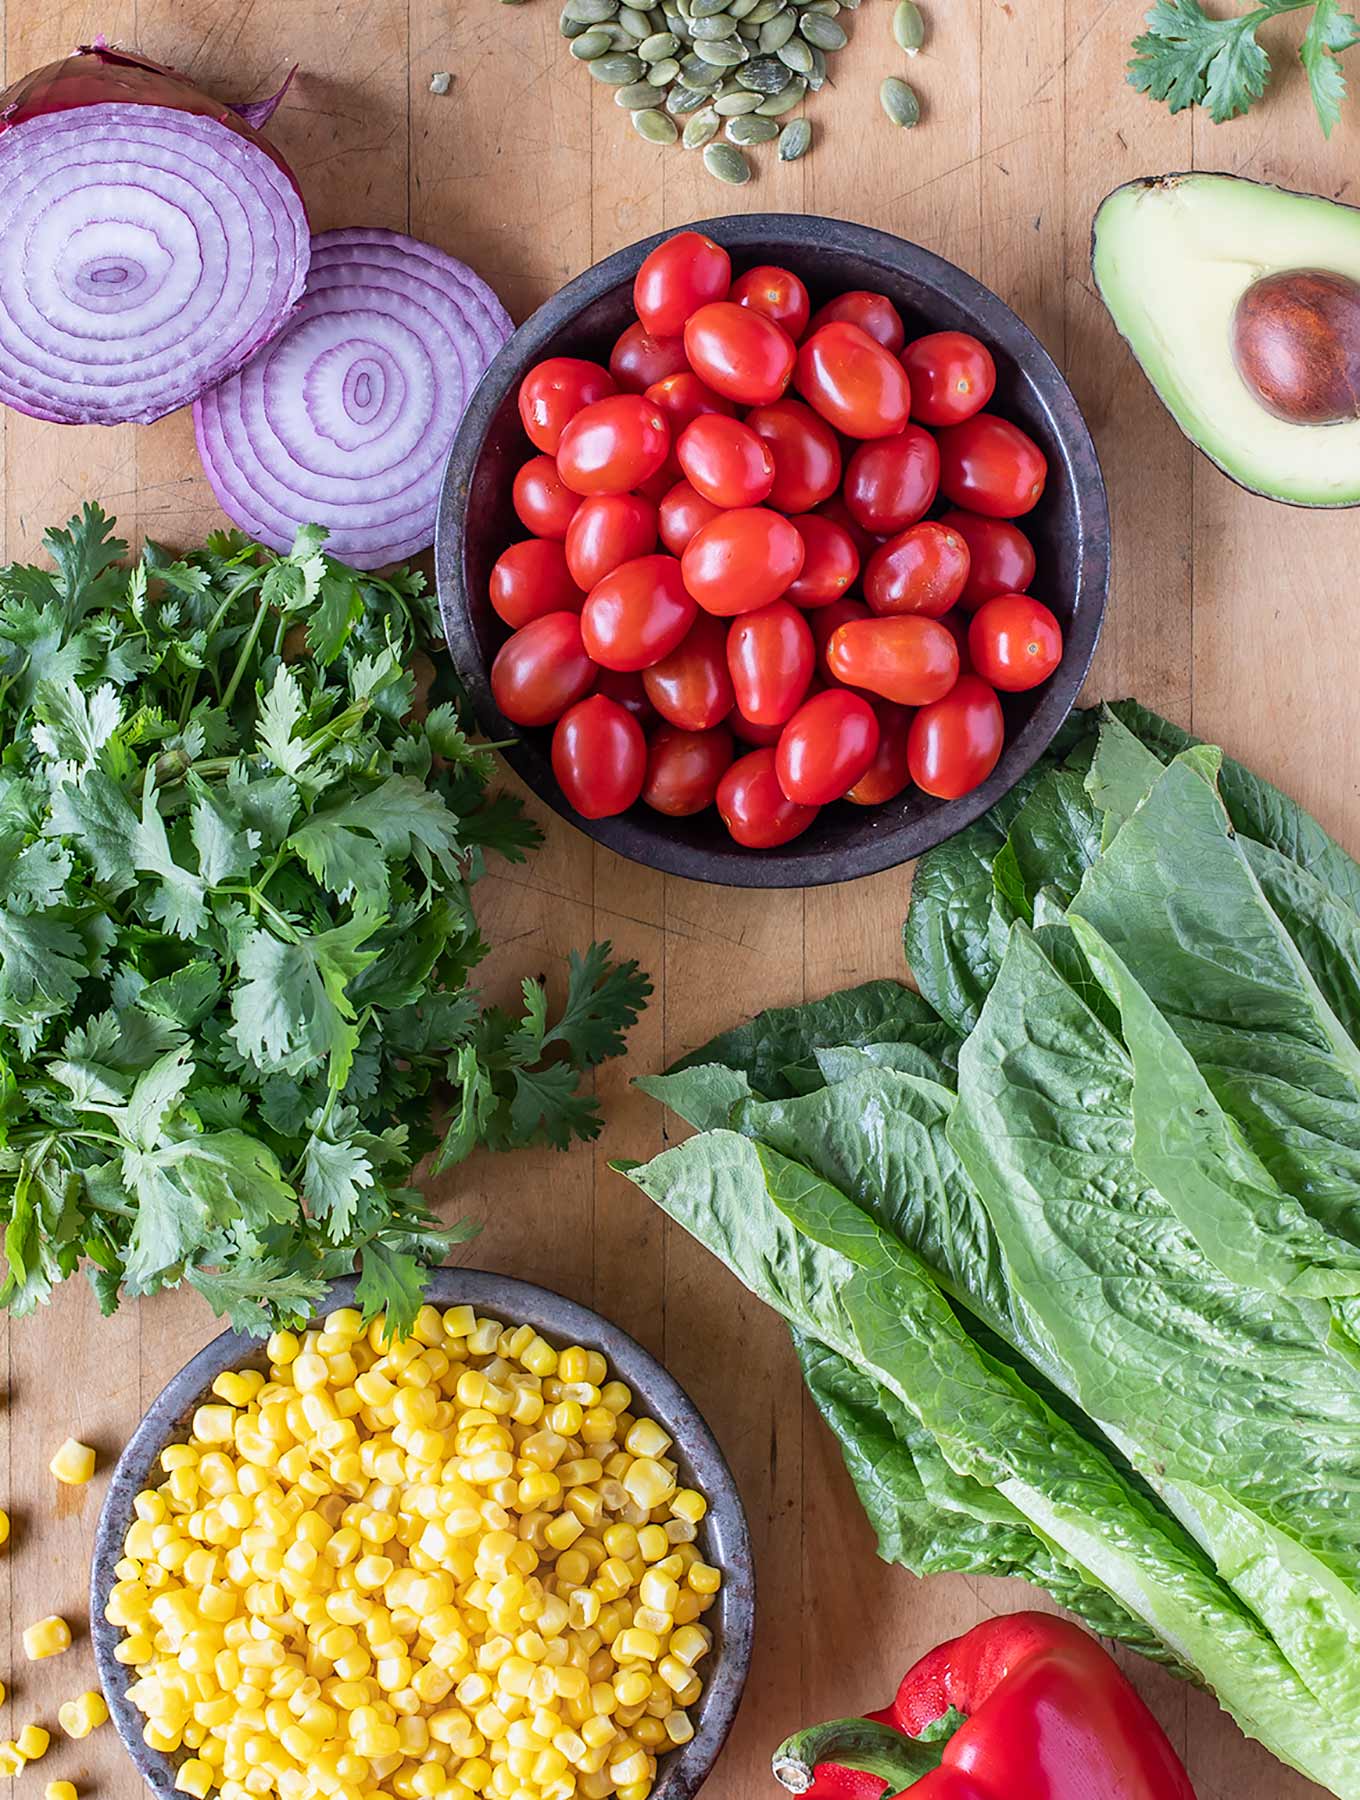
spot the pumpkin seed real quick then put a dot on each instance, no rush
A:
(776, 32)
(654, 127)
(763, 11)
(822, 32)
(710, 30)
(727, 164)
(658, 47)
(796, 54)
(594, 12)
(569, 27)
(593, 42)
(677, 22)
(662, 74)
(740, 9)
(764, 75)
(722, 55)
(795, 139)
(682, 99)
(635, 22)
(751, 130)
(899, 101)
(617, 68)
(698, 130)
(749, 34)
(817, 73)
(784, 101)
(639, 96)
(829, 7)
(734, 103)
(908, 27)
(706, 9)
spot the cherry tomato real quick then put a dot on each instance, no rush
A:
(691, 687)
(853, 382)
(543, 501)
(954, 744)
(921, 570)
(613, 445)
(725, 461)
(827, 621)
(684, 769)
(531, 579)
(755, 809)
(678, 277)
(830, 562)
(681, 513)
(909, 659)
(1014, 642)
(609, 529)
(865, 541)
(684, 398)
(599, 757)
(778, 293)
(740, 353)
(770, 656)
(873, 313)
(806, 451)
(552, 394)
(992, 467)
(625, 687)
(890, 483)
(742, 560)
(952, 376)
(542, 670)
(638, 359)
(826, 747)
(637, 614)
(888, 773)
(1000, 557)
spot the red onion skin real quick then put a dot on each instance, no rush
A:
(95, 73)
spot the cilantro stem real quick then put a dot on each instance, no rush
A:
(247, 651)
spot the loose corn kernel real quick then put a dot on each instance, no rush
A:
(11, 1759)
(79, 1717)
(4, 1526)
(73, 1464)
(49, 1637)
(60, 1790)
(32, 1742)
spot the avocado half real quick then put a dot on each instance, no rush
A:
(1172, 256)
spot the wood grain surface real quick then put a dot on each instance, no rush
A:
(1234, 616)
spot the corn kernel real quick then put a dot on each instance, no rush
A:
(4, 1526)
(49, 1637)
(60, 1790)
(73, 1464)
(32, 1742)
(79, 1717)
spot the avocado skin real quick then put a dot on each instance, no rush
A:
(1174, 177)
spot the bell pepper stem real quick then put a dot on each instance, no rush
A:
(854, 1744)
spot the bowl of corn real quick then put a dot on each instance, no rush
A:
(501, 1557)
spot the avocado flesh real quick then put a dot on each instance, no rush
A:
(1172, 257)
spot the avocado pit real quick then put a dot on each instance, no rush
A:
(1296, 344)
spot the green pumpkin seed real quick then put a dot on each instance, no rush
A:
(776, 32)
(571, 28)
(908, 27)
(594, 12)
(784, 101)
(658, 47)
(683, 99)
(700, 129)
(727, 164)
(795, 140)
(796, 54)
(712, 30)
(705, 9)
(817, 73)
(899, 101)
(722, 55)
(617, 68)
(749, 34)
(675, 21)
(662, 74)
(635, 22)
(593, 42)
(823, 33)
(639, 96)
(654, 127)
(732, 105)
(829, 7)
(740, 9)
(764, 75)
(763, 11)
(751, 130)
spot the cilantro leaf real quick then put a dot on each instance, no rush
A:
(292, 1008)
(1330, 31)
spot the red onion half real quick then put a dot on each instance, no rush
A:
(150, 240)
(346, 418)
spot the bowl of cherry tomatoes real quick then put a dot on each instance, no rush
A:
(777, 547)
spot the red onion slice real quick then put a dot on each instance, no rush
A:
(346, 418)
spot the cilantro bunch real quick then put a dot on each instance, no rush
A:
(236, 932)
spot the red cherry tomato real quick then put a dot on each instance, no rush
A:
(609, 529)
(806, 451)
(1014, 642)
(680, 515)
(684, 398)
(613, 445)
(992, 467)
(599, 757)
(684, 769)
(922, 570)
(770, 656)
(755, 809)
(827, 621)
(865, 541)
(625, 687)
(873, 313)
(909, 659)
(543, 501)
(742, 560)
(888, 773)
(830, 562)
(853, 382)
(740, 353)
(531, 579)
(678, 277)
(552, 394)
(725, 461)
(826, 747)
(890, 483)
(954, 744)
(542, 670)
(1000, 557)
(952, 376)
(638, 359)
(691, 687)
(778, 293)
(637, 614)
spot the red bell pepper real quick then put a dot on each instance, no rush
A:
(1046, 1714)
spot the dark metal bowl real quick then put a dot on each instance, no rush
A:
(1070, 528)
(723, 1533)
